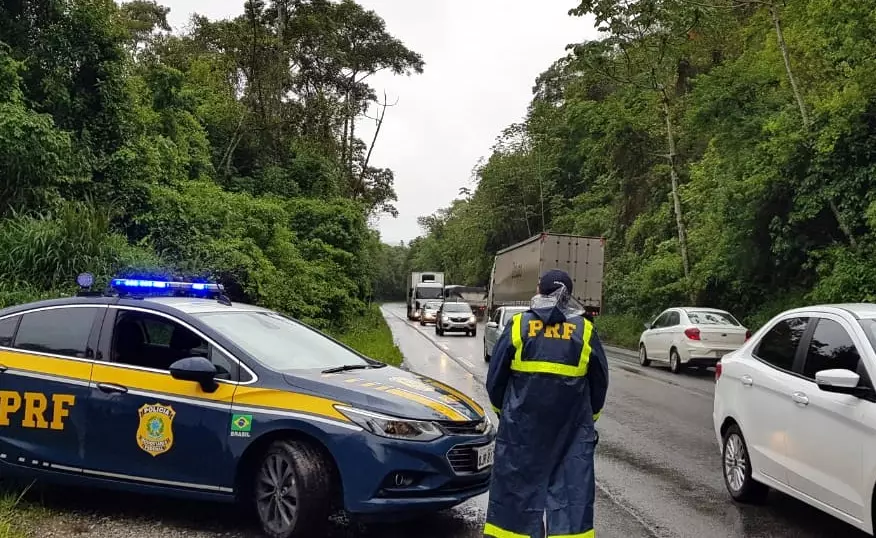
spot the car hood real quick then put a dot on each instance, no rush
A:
(391, 391)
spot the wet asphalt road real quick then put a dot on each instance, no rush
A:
(658, 468)
(658, 462)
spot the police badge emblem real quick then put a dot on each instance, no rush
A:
(155, 432)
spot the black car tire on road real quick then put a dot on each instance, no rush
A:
(643, 356)
(735, 461)
(422, 323)
(474, 332)
(486, 355)
(438, 331)
(292, 491)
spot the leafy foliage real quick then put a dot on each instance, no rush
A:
(228, 151)
(774, 160)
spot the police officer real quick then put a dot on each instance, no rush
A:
(547, 382)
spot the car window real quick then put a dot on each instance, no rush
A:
(279, 342)
(711, 318)
(778, 346)
(660, 321)
(7, 330)
(831, 347)
(673, 319)
(497, 316)
(59, 331)
(457, 308)
(153, 341)
(510, 313)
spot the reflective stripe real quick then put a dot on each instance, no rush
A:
(496, 532)
(596, 416)
(589, 534)
(496, 410)
(517, 338)
(546, 367)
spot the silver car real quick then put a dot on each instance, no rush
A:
(430, 312)
(456, 317)
(501, 317)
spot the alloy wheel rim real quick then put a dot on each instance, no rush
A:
(735, 461)
(642, 354)
(673, 360)
(277, 494)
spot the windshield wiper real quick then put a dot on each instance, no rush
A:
(348, 367)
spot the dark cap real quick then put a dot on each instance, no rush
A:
(550, 281)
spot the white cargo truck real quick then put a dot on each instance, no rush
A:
(423, 286)
(516, 270)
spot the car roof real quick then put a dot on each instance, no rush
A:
(703, 309)
(858, 310)
(187, 305)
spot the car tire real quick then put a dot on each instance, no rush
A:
(486, 355)
(643, 356)
(474, 333)
(292, 470)
(675, 365)
(438, 331)
(422, 323)
(736, 469)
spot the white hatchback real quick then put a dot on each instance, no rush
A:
(690, 336)
(795, 410)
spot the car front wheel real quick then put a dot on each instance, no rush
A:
(292, 491)
(737, 469)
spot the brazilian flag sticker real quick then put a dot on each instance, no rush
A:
(241, 425)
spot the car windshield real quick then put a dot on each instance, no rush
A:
(711, 317)
(457, 308)
(280, 343)
(869, 326)
(429, 293)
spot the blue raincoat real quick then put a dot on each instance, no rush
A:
(547, 382)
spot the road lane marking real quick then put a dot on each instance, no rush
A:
(467, 366)
(467, 363)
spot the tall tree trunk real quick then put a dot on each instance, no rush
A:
(804, 114)
(676, 199)
(780, 37)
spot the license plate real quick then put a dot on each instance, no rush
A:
(485, 455)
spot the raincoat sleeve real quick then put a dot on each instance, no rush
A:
(598, 374)
(500, 369)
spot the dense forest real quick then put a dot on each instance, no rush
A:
(725, 148)
(228, 152)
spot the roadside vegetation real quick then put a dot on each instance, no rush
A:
(226, 152)
(725, 149)
(371, 336)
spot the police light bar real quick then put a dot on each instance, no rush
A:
(157, 286)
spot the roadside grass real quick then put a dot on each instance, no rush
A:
(621, 330)
(370, 335)
(16, 512)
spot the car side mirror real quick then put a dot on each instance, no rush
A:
(648, 326)
(197, 369)
(840, 381)
(493, 325)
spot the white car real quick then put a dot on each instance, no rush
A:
(690, 336)
(795, 410)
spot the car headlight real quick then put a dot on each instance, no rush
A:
(471, 319)
(392, 427)
(446, 319)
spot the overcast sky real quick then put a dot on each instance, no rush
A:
(482, 58)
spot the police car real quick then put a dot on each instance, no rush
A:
(170, 388)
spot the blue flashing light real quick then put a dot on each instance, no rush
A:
(157, 286)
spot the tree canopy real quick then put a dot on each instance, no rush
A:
(227, 152)
(725, 149)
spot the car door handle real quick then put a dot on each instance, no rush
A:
(800, 398)
(747, 380)
(111, 388)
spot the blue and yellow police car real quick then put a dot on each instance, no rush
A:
(170, 388)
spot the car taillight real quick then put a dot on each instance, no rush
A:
(718, 371)
(693, 333)
(747, 335)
